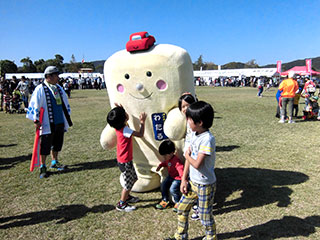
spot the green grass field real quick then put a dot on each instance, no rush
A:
(268, 177)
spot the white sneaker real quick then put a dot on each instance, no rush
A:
(281, 121)
(291, 121)
(195, 216)
(125, 207)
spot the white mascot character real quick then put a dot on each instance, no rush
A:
(148, 78)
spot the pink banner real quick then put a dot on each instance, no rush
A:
(308, 65)
(279, 66)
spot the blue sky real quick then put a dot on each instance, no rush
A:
(221, 31)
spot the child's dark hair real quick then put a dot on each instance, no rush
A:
(186, 97)
(117, 117)
(167, 147)
(201, 112)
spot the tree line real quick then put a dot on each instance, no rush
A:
(38, 66)
(201, 65)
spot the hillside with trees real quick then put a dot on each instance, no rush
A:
(38, 66)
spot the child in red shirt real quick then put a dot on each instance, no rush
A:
(175, 170)
(118, 118)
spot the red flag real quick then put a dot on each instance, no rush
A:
(308, 65)
(35, 161)
(82, 60)
(278, 66)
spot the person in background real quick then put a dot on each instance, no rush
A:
(296, 102)
(288, 87)
(260, 86)
(23, 87)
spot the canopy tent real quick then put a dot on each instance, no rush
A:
(248, 72)
(301, 70)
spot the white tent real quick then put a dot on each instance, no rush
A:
(41, 75)
(248, 72)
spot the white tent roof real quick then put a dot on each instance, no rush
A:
(41, 75)
(248, 72)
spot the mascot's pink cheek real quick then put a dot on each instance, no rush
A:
(162, 85)
(120, 88)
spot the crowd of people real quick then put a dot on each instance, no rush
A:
(14, 93)
(238, 81)
(288, 95)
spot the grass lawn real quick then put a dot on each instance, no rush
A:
(268, 176)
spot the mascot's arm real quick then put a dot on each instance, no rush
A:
(108, 138)
(175, 125)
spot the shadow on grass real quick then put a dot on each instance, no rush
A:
(88, 166)
(256, 187)
(288, 226)
(152, 203)
(6, 163)
(61, 214)
(226, 148)
(7, 145)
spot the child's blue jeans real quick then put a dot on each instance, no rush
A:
(172, 185)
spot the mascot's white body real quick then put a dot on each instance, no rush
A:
(149, 81)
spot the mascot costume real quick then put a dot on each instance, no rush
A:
(149, 78)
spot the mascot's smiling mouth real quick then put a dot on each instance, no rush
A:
(142, 98)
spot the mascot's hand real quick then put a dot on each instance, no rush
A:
(175, 125)
(108, 138)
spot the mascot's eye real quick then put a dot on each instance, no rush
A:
(149, 74)
(127, 76)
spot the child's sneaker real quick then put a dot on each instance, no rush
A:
(43, 172)
(58, 166)
(195, 215)
(125, 207)
(175, 208)
(132, 199)
(162, 205)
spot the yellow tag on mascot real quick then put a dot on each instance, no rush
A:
(149, 81)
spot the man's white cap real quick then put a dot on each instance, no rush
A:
(50, 70)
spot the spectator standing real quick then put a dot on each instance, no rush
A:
(56, 118)
(23, 87)
(288, 87)
(67, 88)
(260, 86)
(308, 91)
(2, 88)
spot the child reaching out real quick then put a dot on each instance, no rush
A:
(175, 169)
(118, 118)
(199, 166)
